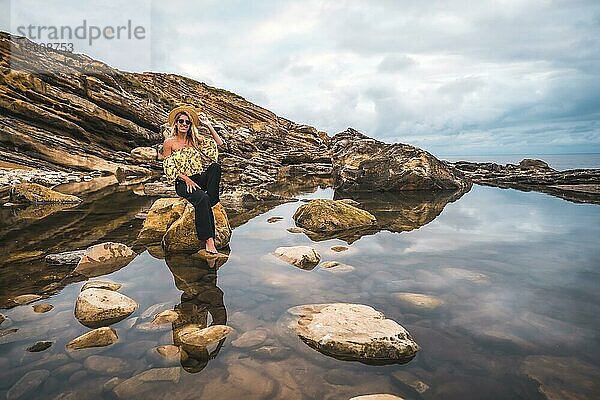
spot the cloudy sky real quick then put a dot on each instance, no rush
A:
(453, 77)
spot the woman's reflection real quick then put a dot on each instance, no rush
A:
(197, 278)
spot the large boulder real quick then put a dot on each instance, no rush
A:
(100, 307)
(326, 219)
(362, 164)
(163, 213)
(104, 258)
(181, 234)
(351, 332)
(26, 192)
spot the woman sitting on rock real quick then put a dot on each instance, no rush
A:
(190, 162)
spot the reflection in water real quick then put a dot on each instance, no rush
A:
(395, 212)
(197, 278)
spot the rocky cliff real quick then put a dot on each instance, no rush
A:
(87, 116)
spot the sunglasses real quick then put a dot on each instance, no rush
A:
(184, 121)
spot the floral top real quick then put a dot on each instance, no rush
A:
(189, 160)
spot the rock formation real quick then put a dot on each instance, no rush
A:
(577, 185)
(363, 164)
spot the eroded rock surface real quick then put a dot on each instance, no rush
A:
(351, 332)
(37, 194)
(304, 257)
(363, 164)
(95, 338)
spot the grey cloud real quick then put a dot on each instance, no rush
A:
(394, 63)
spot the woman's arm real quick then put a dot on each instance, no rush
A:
(167, 149)
(204, 121)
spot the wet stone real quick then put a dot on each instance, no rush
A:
(26, 298)
(303, 257)
(270, 352)
(351, 332)
(338, 249)
(336, 267)
(108, 285)
(377, 396)
(274, 219)
(42, 308)
(96, 338)
(98, 307)
(295, 229)
(39, 346)
(142, 382)
(65, 258)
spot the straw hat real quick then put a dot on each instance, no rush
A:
(190, 111)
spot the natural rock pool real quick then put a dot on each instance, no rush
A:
(499, 288)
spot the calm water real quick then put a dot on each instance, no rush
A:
(518, 274)
(559, 162)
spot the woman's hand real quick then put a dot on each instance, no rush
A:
(190, 185)
(204, 120)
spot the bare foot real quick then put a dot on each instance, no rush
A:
(210, 246)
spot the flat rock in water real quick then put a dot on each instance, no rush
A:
(26, 298)
(274, 219)
(104, 258)
(327, 217)
(351, 332)
(96, 338)
(42, 308)
(106, 365)
(65, 258)
(338, 249)
(563, 377)
(146, 381)
(101, 285)
(197, 336)
(98, 307)
(304, 257)
(295, 229)
(250, 339)
(27, 384)
(336, 267)
(419, 300)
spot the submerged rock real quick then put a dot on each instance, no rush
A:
(106, 365)
(250, 339)
(419, 300)
(336, 267)
(37, 194)
(146, 381)
(104, 258)
(362, 164)
(98, 307)
(339, 249)
(409, 379)
(563, 377)
(327, 219)
(351, 332)
(304, 257)
(42, 308)
(27, 384)
(96, 338)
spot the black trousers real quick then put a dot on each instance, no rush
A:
(203, 199)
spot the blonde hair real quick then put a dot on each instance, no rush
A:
(193, 134)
